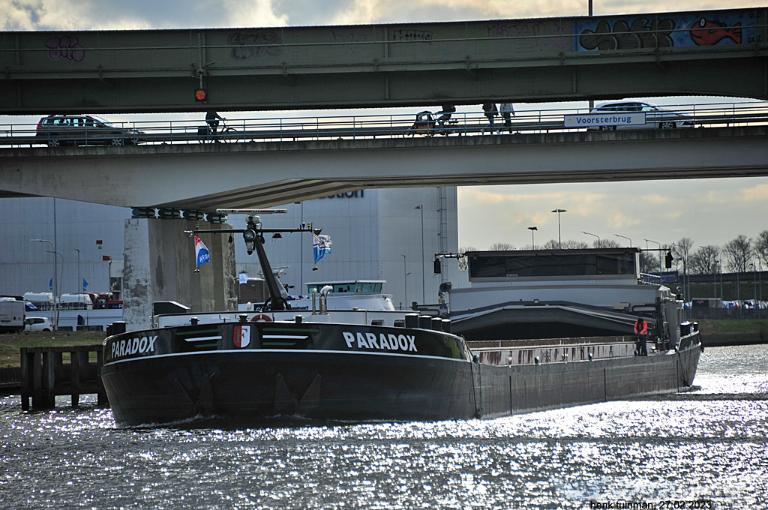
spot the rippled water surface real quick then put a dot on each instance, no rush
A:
(697, 447)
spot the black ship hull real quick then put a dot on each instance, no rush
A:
(328, 377)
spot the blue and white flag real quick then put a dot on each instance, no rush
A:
(201, 253)
(85, 284)
(321, 246)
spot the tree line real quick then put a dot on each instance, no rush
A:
(741, 254)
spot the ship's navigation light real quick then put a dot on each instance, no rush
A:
(201, 95)
(251, 238)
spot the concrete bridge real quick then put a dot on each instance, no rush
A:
(206, 177)
(677, 53)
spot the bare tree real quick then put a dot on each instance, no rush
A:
(648, 262)
(682, 251)
(607, 243)
(761, 247)
(552, 244)
(738, 253)
(704, 260)
(501, 247)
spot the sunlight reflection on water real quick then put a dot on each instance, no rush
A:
(708, 444)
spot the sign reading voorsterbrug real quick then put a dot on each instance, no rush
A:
(604, 119)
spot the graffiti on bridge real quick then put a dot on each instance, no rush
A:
(65, 47)
(254, 43)
(690, 30)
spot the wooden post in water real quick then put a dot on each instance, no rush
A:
(45, 375)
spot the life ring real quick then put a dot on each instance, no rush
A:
(262, 317)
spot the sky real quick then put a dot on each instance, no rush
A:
(707, 211)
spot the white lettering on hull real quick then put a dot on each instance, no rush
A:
(380, 342)
(143, 345)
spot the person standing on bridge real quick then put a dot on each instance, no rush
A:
(212, 119)
(490, 111)
(641, 334)
(507, 112)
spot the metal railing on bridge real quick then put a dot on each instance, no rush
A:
(86, 130)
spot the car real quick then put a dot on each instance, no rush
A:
(37, 324)
(58, 130)
(655, 118)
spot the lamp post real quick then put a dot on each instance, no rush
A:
(79, 286)
(659, 245)
(559, 241)
(533, 244)
(625, 237)
(405, 280)
(714, 279)
(420, 207)
(593, 235)
(55, 278)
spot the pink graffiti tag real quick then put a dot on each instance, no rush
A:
(66, 47)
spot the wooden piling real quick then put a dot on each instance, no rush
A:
(45, 375)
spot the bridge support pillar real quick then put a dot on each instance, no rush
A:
(160, 266)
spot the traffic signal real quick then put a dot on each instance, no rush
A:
(668, 260)
(436, 266)
(201, 95)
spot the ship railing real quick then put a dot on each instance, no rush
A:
(556, 352)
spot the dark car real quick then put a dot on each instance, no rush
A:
(84, 130)
(655, 118)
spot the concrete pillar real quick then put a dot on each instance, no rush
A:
(160, 266)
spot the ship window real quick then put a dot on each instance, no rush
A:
(574, 264)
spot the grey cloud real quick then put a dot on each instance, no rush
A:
(311, 12)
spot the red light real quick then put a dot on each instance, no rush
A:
(106, 258)
(201, 95)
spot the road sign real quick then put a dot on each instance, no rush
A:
(604, 119)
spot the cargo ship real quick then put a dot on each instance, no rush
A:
(241, 369)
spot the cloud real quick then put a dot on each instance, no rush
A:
(618, 219)
(654, 199)
(759, 192)
(136, 14)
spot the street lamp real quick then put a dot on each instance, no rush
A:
(659, 245)
(593, 235)
(405, 280)
(420, 207)
(79, 286)
(559, 241)
(55, 278)
(625, 237)
(533, 244)
(714, 279)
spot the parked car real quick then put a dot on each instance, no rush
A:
(37, 324)
(84, 130)
(655, 118)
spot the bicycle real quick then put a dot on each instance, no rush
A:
(226, 134)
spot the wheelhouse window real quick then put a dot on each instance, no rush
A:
(557, 264)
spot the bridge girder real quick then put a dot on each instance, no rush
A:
(385, 65)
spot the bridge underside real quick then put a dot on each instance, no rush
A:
(208, 177)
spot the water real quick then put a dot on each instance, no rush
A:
(705, 446)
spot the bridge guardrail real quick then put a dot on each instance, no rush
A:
(282, 129)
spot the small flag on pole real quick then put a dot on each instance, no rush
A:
(85, 284)
(50, 284)
(202, 255)
(321, 246)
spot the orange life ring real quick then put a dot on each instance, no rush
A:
(262, 317)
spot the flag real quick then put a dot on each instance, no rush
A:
(321, 246)
(201, 253)
(50, 284)
(85, 284)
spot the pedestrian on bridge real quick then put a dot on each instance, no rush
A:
(507, 112)
(490, 111)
